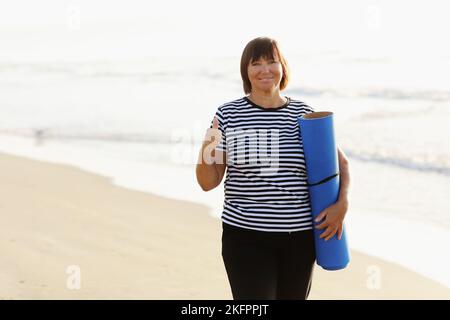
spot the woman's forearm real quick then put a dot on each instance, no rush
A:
(344, 177)
(206, 171)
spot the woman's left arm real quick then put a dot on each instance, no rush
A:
(334, 215)
(344, 176)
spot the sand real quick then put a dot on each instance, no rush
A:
(57, 220)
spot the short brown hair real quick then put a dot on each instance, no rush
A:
(262, 47)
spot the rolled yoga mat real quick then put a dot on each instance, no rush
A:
(319, 146)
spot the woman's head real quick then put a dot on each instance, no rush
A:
(263, 67)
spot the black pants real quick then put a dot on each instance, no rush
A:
(268, 265)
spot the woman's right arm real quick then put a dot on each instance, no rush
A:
(211, 163)
(209, 176)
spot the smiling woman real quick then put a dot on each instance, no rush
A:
(267, 237)
(264, 72)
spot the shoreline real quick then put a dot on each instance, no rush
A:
(135, 245)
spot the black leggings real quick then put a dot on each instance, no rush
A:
(268, 265)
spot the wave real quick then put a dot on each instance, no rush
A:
(399, 162)
(147, 72)
(42, 134)
(54, 134)
(381, 93)
(108, 71)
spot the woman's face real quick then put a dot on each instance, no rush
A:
(265, 75)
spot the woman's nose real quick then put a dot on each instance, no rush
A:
(265, 68)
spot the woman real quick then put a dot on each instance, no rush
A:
(267, 238)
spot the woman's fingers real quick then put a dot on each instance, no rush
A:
(322, 225)
(321, 216)
(325, 233)
(213, 134)
(329, 233)
(341, 228)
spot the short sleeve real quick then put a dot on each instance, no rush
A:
(222, 146)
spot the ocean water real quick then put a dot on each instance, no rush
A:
(156, 101)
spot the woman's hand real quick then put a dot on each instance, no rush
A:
(211, 165)
(334, 220)
(211, 141)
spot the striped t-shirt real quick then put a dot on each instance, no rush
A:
(265, 182)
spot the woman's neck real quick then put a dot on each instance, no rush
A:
(267, 100)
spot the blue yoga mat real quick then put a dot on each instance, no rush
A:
(322, 166)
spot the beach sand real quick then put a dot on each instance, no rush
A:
(134, 245)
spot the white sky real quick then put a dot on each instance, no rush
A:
(196, 27)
